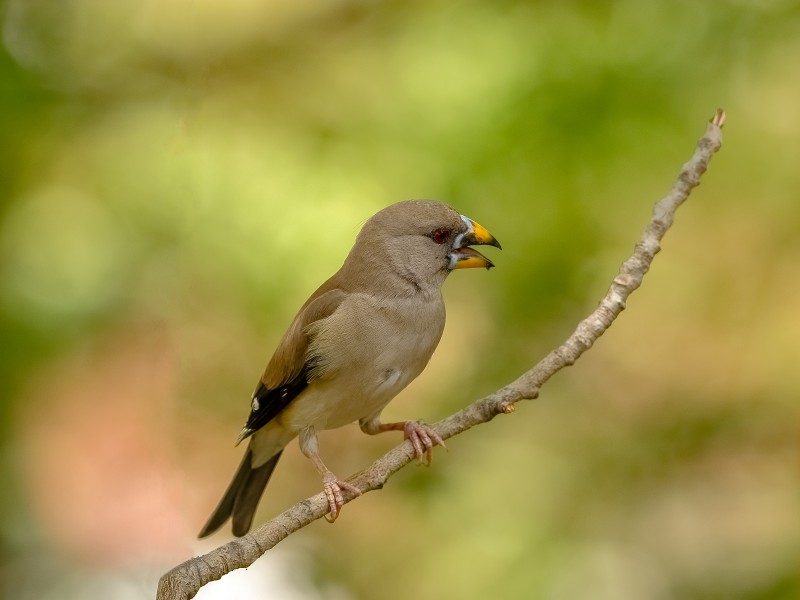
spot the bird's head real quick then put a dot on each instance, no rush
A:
(422, 241)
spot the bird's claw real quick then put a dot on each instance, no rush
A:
(423, 437)
(333, 486)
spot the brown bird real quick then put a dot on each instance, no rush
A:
(361, 338)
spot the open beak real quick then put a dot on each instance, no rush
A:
(464, 257)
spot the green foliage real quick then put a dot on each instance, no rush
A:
(179, 176)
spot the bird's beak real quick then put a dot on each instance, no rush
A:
(463, 257)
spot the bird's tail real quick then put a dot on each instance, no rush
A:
(241, 498)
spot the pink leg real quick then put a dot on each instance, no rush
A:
(422, 437)
(332, 486)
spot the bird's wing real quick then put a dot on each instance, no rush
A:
(268, 403)
(287, 373)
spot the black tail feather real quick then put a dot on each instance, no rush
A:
(241, 498)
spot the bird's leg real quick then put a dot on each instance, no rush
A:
(423, 437)
(331, 485)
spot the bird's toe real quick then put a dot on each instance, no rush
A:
(332, 487)
(423, 438)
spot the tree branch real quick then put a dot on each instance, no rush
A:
(185, 580)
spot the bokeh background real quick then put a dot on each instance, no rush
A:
(177, 177)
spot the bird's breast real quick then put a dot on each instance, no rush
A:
(363, 356)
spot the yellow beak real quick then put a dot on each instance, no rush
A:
(463, 257)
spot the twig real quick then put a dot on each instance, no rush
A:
(185, 580)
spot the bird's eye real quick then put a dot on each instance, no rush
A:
(440, 236)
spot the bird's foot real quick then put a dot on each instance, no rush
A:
(423, 438)
(333, 486)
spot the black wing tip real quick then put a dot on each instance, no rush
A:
(268, 403)
(245, 433)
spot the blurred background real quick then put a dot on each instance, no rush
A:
(179, 175)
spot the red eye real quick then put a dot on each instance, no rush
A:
(440, 236)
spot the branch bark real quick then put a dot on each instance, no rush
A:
(185, 580)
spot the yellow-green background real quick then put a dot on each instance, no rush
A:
(176, 176)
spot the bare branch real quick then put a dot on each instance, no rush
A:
(185, 580)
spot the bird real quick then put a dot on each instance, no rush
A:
(359, 340)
